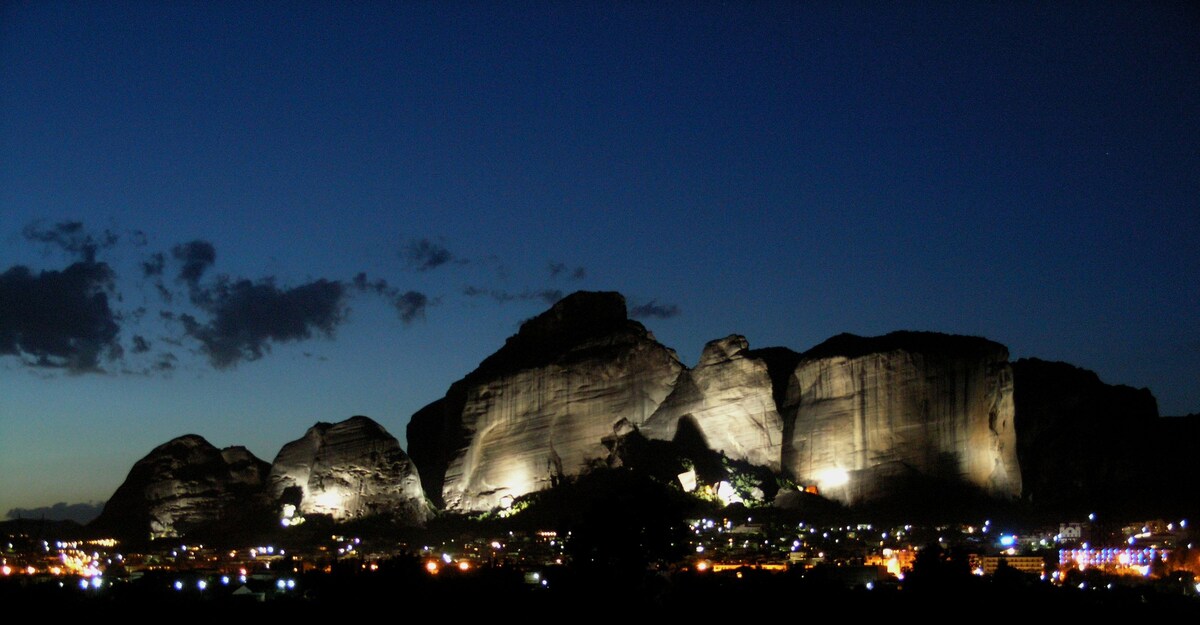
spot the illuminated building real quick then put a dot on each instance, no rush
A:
(1034, 565)
(1114, 559)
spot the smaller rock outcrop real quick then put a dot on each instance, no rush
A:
(729, 399)
(348, 470)
(183, 485)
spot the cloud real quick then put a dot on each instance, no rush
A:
(153, 266)
(61, 319)
(166, 362)
(79, 512)
(549, 296)
(378, 287)
(196, 256)
(72, 238)
(653, 309)
(140, 344)
(423, 255)
(411, 305)
(248, 316)
(561, 269)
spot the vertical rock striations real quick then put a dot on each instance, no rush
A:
(180, 486)
(861, 410)
(537, 409)
(348, 470)
(729, 400)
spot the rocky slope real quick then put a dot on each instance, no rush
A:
(183, 485)
(538, 408)
(860, 411)
(348, 470)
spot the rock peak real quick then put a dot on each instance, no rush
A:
(578, 319)
(350, 469)
(579, 312)
(721, 350)
(854, 346)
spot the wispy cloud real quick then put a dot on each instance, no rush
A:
(196, 257)
(653, 309)
(71, 237)
(562, 270)
(410, 305)
(549, 296)
(423, 255)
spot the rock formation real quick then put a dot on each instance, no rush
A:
(861, 410)
(180, 486)
(1082, 440)
(348, 470)
(855, 411)
(537, 409)
(729, 399)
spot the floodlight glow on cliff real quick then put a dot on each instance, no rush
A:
(833, 478)
(329, 500)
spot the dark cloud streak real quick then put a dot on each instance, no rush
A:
(549, 296)
(153, 266)
(560, 269)
(196, 256)
(61, 319)
(72, 238)
(140, 344)
(423, 255)
(410, 305)
(653, 309)
(248, 316)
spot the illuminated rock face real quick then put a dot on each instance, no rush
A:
(348, 470)
(537, 409)
(729, 398)
(859, 409)
(183, 484)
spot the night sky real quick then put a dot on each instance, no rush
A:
(238, 219)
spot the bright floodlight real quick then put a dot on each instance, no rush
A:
(832, 478)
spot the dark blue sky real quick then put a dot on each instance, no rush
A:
(1028, 172)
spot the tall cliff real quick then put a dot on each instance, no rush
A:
(859, 411)
(1085, 444)
(348, 470)
(538, 408)
(729, 399)
(180, 486)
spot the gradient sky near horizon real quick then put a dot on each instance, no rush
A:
(237, 219)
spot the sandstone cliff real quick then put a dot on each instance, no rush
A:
(348, 470)
(180, 486)
(537, 409)
(729, 399)
(862, 410)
